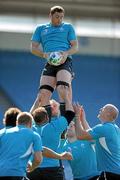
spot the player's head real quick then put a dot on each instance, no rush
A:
(55, 107)
(57, 15)
(25, 118)
(40, 116)
(108, 112)
(70, 133)
(10, 117)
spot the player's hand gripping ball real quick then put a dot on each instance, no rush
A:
(55, 58)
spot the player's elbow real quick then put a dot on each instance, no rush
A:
(34, 47)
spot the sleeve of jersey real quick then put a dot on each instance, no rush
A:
(61, 124)
(37, 34)
(37, 142)
(97, 131)
(61, 147)
(71, 33)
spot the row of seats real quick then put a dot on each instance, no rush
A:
(96, 80)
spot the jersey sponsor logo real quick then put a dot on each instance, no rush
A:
(61, 29)
(45, 31)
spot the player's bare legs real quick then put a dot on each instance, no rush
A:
(64, 78)
(47, 85)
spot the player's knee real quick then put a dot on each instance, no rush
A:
(44, 94)
(61, 85)
(43, 89)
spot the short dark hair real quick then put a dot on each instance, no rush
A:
(24, 118)
(40, 115)
(10, 116)
(59, 9)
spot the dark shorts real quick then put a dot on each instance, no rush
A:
(93, 178)
(50, 70)
(109, 176)
(51, 173)
(13, 178)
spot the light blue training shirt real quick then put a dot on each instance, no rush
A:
(16, 147)
(54, 38)
(107, 138)
(83, 165)
(50, 135)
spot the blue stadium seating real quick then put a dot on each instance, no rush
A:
(96, 82)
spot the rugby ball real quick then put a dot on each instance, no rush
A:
(55, 58)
